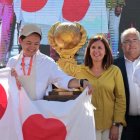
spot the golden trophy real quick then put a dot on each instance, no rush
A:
(66, 38)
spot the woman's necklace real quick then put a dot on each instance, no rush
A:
(23, 65)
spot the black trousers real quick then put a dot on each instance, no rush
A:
(132, 130)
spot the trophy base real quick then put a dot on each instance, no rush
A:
(62, 95)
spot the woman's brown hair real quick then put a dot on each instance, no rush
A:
(108, 58)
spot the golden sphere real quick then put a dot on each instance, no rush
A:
(67, 35)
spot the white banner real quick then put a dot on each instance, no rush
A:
(21, 118)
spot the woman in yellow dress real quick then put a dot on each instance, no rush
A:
(109, 95)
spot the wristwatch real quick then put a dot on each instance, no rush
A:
(117, 124)
(82, 82)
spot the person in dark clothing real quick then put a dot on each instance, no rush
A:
(129, 18)
(130, 43)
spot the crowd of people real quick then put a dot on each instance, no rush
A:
(114, 84)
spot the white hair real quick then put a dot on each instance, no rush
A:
(131, 30)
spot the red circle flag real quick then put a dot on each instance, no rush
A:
(36, 127)
(75, 10)
(3, 101)
(32, 5)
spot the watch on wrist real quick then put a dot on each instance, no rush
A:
(82, 82)
(117, 124)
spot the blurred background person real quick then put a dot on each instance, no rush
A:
(129, 18)
(114, 9)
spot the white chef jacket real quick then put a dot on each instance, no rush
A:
(46, 70)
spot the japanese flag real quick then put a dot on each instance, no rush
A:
(92, 14)
(24, 119)
(38, 11)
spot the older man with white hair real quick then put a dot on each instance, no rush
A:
(129, 65)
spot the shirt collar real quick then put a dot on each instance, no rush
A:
(126, 59)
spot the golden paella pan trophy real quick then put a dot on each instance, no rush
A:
(66, 38)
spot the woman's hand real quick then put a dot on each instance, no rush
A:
(87, 84)
(114, 133)
(14, 73)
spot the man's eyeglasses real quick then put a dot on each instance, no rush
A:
(128, 42)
